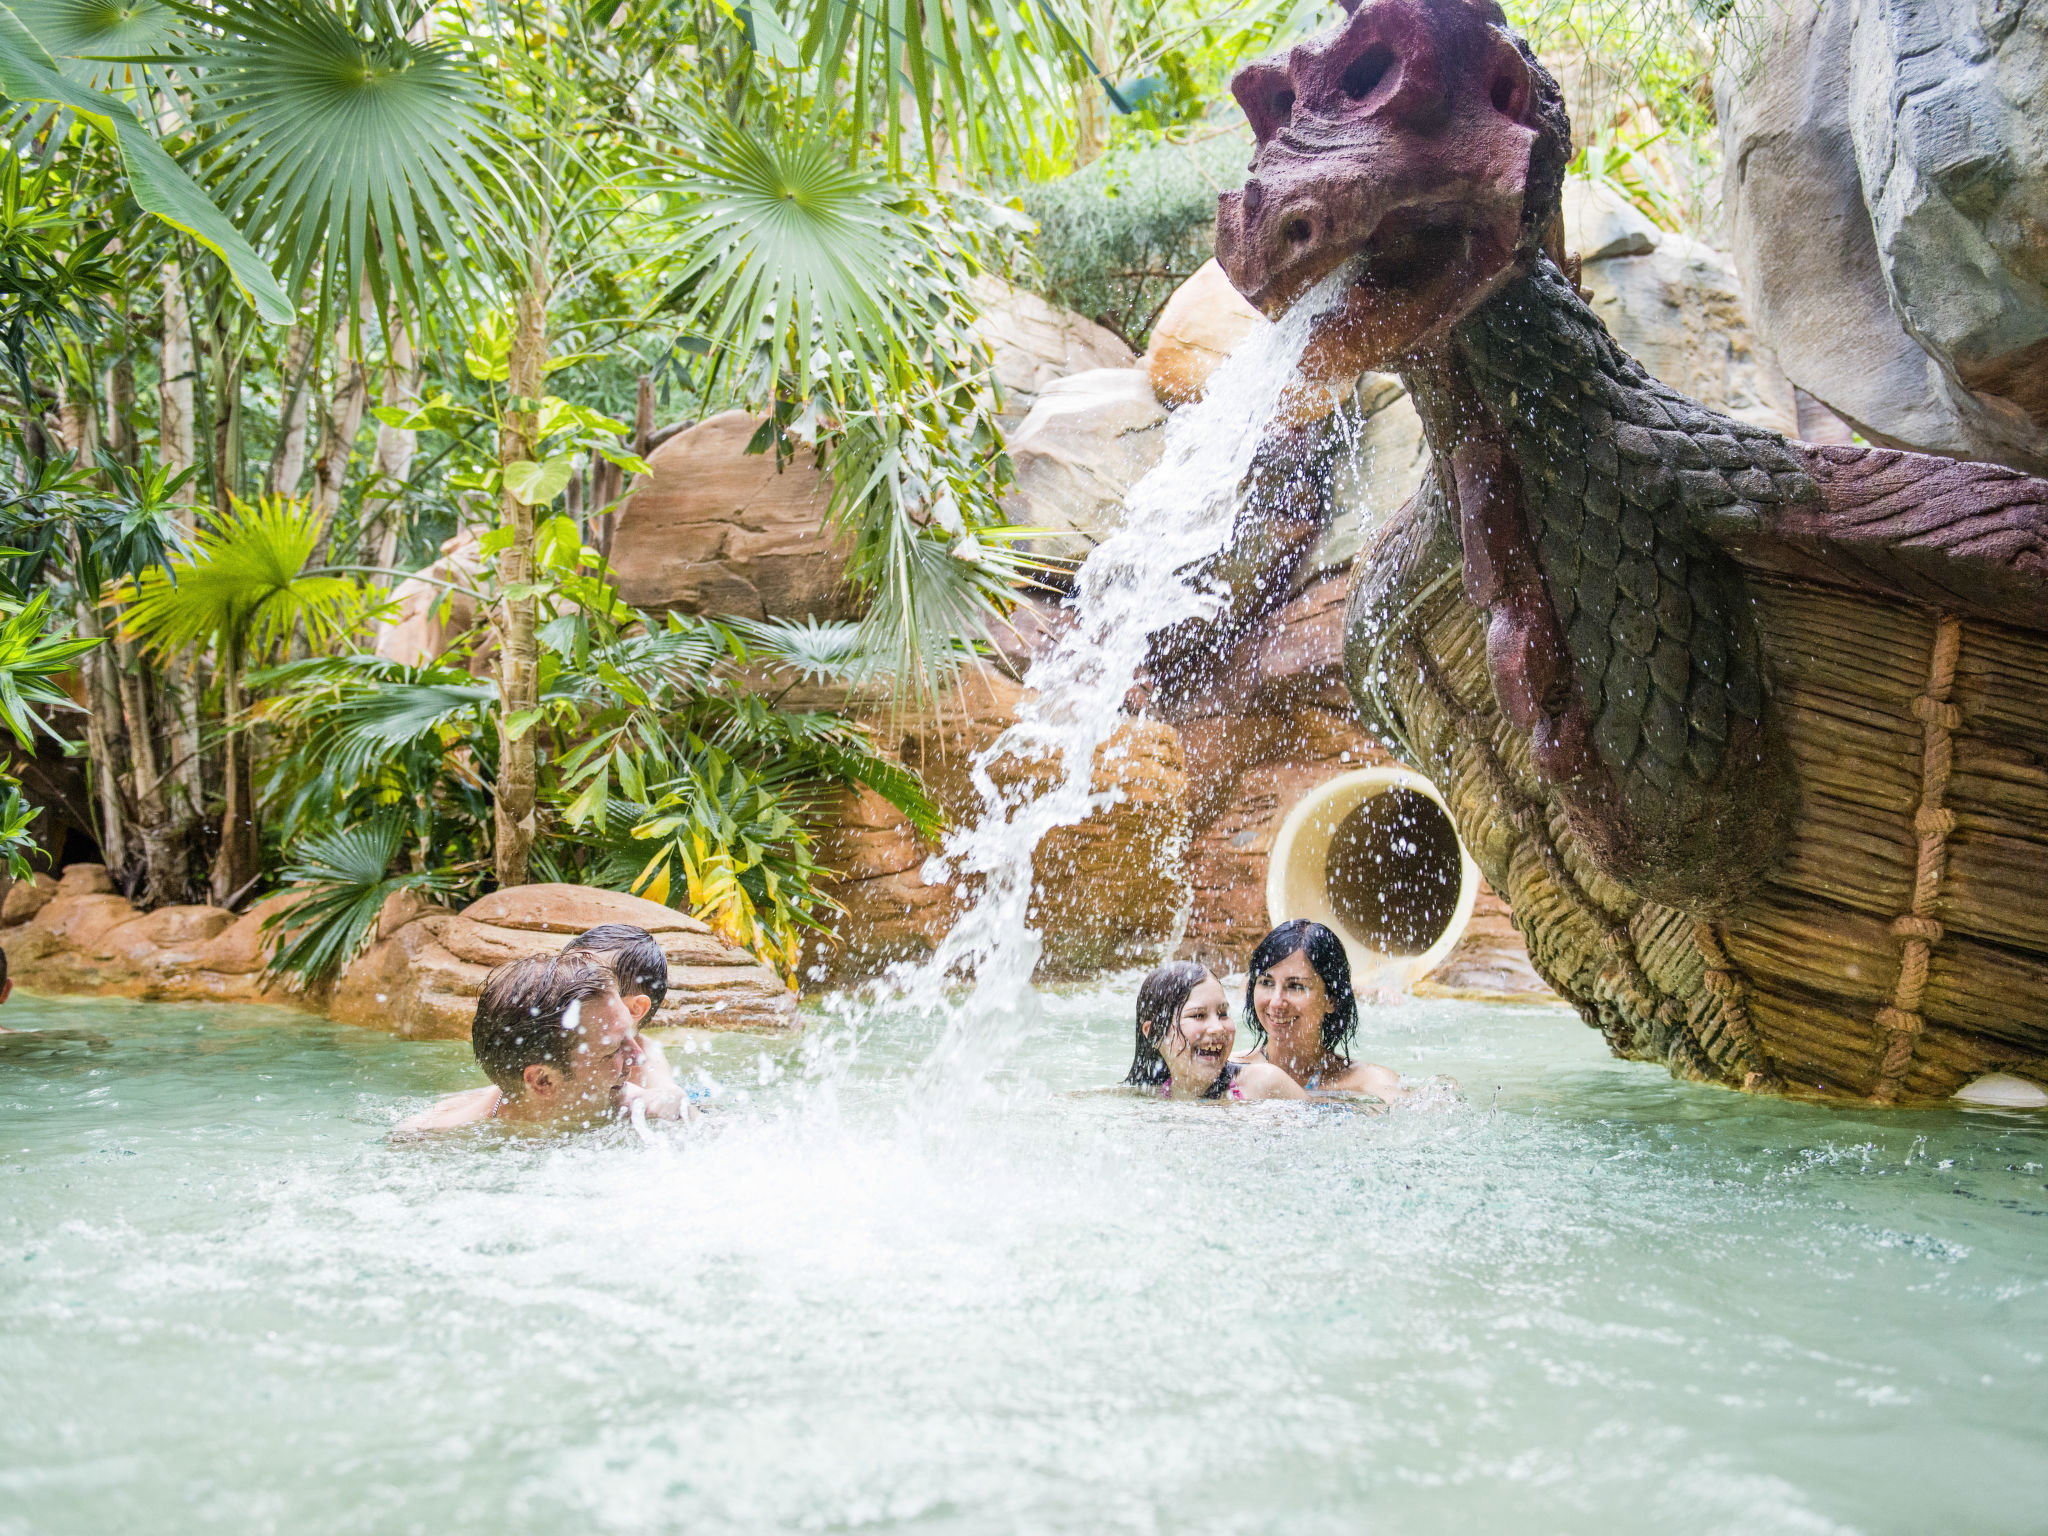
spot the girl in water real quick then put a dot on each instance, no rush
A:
(1184, 1040)
(1298, 1002)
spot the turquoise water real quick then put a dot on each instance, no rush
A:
(1586, 1298)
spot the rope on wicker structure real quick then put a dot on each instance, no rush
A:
(1531, 819)
(1727, 983)
(1900, 1022)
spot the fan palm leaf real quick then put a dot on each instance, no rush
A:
(344, 879)
(353, 148)
(243, 585)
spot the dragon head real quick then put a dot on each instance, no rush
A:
(1419, 140)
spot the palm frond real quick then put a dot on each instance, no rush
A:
(243, 583)
(817, 650)
(356, 150)
(345, 879)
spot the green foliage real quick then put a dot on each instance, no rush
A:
(1116, 238)
(54, 276)
(160, 188)
(345, 880)
(244, 585)
(355, 151)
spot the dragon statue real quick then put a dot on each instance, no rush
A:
(1751, 733)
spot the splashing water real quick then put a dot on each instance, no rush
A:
(1143, 580)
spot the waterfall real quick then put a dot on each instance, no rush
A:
(1142, 580)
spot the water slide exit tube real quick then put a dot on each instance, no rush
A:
(1374, 855)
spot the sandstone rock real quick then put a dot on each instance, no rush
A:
(1036, 344)
(410, 985)
(85, 880)
(1102, 894)
(1679, 310)
(139, 939)
(717, 530)
(1203, 320)
(1804, 244)
(424, 978)
(1087, 441)
(1949, 118)
(433, 610)
(25, 898)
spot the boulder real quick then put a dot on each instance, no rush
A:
(1201, 322)
(717, 530)
(422, 979)
(1803, 240)
(1678, 309)
(1599, 223)
(433, 609)
(25, 898)
(85, 880)
(1089, 438)
(1948, 112)
(1036, 344)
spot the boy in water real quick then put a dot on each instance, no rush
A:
(634, 957)
(560, 1046)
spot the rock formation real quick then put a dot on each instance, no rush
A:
(1037, 344)
(420, 977)
(1887, 182)
(718, 530)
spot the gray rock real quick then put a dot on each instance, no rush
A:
(1036, 343)
(1600, 223)
(1679, 310)
(1805, 247)
(1380, 472)
(1949, 117)
(1088, 439)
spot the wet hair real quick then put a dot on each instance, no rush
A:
(1327, 959)
(634, 955)
(3, 967)
(520, 1013)
(1161, 997)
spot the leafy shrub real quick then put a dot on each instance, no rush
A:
(1118, 236)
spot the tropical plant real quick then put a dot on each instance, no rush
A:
(245, 590)
(343, 879)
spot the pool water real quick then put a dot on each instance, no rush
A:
(1583, 1298)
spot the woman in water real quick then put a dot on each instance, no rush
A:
(1184, 1040)
(1298, 1001)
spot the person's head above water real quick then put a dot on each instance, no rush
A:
(552, 1033)
(1184, 1029)
(635, 958)
(1297, 997)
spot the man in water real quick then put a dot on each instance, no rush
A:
(560, 1046)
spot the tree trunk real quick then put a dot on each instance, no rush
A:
(1091, 104)
(288, 460)
(120, 433)
(518, 649)
(177, 449)
(235, 865)
(384, 507)
(165, 871)
(104, 744)
(343, 419)
(176, 444)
